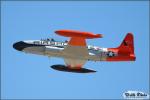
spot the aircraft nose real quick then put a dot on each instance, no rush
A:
(19, 45)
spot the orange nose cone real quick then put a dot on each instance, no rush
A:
(72, 33)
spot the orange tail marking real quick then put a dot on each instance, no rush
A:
(125, 52)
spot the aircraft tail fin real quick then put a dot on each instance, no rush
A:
(127, 45)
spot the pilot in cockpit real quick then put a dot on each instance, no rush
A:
(50, 39)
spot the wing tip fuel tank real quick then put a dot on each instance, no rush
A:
(67, 69)
(72, 33)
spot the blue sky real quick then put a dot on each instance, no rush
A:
(28, 76)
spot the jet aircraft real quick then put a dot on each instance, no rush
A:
(76, 51)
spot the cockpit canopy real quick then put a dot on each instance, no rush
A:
(48, 39)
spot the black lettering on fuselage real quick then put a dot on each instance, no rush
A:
(51, 43)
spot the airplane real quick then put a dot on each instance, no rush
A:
(76, 51)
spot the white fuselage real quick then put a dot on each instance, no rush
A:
(56, 49)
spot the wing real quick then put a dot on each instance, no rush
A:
(76, 52)
(74, 63)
